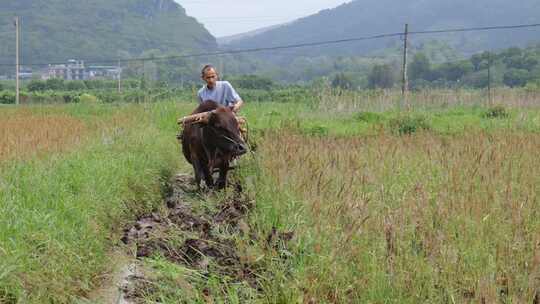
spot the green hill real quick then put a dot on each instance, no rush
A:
(368, 17)
(93, 30)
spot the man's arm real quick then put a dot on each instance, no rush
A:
(239, 103)
(232, 95)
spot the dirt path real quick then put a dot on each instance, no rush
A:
(112, 291)
(186, 234)
(192, 233)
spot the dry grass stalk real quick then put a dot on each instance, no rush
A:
(452, 213)
(25, 134)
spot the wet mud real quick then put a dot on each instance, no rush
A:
(185, 235)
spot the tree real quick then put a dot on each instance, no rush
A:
(342, 81)
(253, 82)
(481, 61)
(477, 79)
(75, 85)
(420, 67)
(382, 76)
(523, 62)
(455, 70)
(516, 77)
(55, 84)
(36, 85)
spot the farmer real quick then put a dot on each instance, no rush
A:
(221, 92)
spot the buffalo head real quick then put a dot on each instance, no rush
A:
(220, 128)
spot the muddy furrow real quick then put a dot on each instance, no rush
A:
(185, 235)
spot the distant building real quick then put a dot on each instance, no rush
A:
(104, 72)
(25, 73)
(73, 70)
(76, 70)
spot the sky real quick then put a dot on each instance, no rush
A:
(229, 17)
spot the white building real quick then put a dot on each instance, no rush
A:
(76, 70)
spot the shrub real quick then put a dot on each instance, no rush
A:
(496, 112)
(55, 84)
(382, 76)
(253, 82)
(342, 81)
(533, 86)
(75, 85)
(516, 77)
(7, 97)
(408, 124)
(316, 131)
(369, 117)
(88, 99)
(37, 85)
(71, 97)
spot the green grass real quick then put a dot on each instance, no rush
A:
(401, 219)
(309, 120)
(61, 214)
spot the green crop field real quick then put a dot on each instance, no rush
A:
(357, 198)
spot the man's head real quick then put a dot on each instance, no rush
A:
(209, 75)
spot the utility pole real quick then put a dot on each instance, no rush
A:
(17, 68)
(119, 78)
(489, 78)
(404, 80)
(221, 69)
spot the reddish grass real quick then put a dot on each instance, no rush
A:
(24, 134)
(433, 217)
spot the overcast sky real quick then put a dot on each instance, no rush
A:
(229, 17)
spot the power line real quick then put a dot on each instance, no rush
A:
(291, 46)
(475, 29)
(228, 52)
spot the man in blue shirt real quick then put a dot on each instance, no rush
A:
(221, 92)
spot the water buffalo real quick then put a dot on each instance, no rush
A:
(211, 139)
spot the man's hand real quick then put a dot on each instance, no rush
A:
(236, 107)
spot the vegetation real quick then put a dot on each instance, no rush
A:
(367, 18)
(421, 218)
(71, 177)
(513, 67)
(99, 30)
(416, 206)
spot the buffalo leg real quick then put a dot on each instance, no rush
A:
(197, 176)
(202, 171)
(222, 179)
(209, 180)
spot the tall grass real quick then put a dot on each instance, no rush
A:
(331, 100)
(60, 213)
(403, 219)
(447, 213)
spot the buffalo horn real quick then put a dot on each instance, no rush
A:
(195, 118)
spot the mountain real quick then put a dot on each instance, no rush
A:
(361, 18)
(226, 40)
(94, 30)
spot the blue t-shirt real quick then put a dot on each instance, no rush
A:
(223, 93)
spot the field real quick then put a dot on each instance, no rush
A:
(354, 198)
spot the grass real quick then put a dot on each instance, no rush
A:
(61, 212)
(422, 218)
(444, 213)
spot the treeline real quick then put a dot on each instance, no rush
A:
(252, 88)
(513, 67)
(58, 84)
(103, 96)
